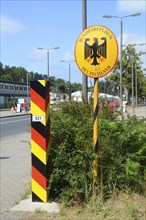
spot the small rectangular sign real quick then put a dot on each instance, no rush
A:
(37, 118)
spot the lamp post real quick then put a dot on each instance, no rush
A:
(136, 70)
(121, 34)
(144, 69)
(133, 58)
(69, 61)
(134, 101)
(27, 84)
(136, 86)
(84, 26)
(48, 50)
(132, 87)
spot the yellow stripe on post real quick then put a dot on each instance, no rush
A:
(38, 152)
(39, 191)
(43, 82)
(35, 110)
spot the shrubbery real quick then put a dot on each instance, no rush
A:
(122, 154)
(122, 150)
(9, 104)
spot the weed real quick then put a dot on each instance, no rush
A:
(39, 210)
(132, 210)
(27, 191)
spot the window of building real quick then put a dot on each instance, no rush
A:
(20, 88)
(16, 87)
(6, 87)
(1, 86)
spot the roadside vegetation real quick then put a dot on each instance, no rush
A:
(121, 159)
(121, 155)
(120, 207)
(120, 188)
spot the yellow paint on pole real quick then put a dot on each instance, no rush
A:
(95, 130)
(39, 191)
(38, 152)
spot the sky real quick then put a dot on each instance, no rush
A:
(29, 24)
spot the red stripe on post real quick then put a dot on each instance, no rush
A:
(38, 100)
(39, 178)
(39, 139)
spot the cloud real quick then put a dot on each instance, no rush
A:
(10, 25)
(36, 54)
(132, 38)
(68, 56)
(131, 6)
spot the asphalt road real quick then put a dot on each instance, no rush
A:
(14, 126)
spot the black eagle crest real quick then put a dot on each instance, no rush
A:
(95, 51)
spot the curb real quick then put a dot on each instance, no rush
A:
(16, 115)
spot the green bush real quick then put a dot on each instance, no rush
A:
(9, 104)
(122, 154)
(71, 141)
(122, 150)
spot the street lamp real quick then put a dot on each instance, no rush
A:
(69, 61)
(134, 101)
(48, 50)
(27, 84)
(141, 53)
(136, 70)
(121, 27)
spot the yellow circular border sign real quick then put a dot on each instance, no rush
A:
(96, 51)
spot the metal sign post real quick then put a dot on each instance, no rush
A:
(95, 131)
(40, 138)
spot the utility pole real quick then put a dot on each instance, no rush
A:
(121, 45)
(69, 61)
(84, 77)
(48, 50)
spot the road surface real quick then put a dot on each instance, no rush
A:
(14, 126)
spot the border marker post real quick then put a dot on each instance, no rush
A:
(40, 137)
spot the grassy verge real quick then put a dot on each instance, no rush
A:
(121, 206)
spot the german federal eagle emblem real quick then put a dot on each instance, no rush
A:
(95, 53)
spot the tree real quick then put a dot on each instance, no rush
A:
(20, 74)
(62, 89)
(76, 87)
(130, 62)
(7, 77)
(1, 70)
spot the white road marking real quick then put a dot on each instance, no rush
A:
(8, 122)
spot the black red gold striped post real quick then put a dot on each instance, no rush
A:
(40, 137)
(95, 131)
